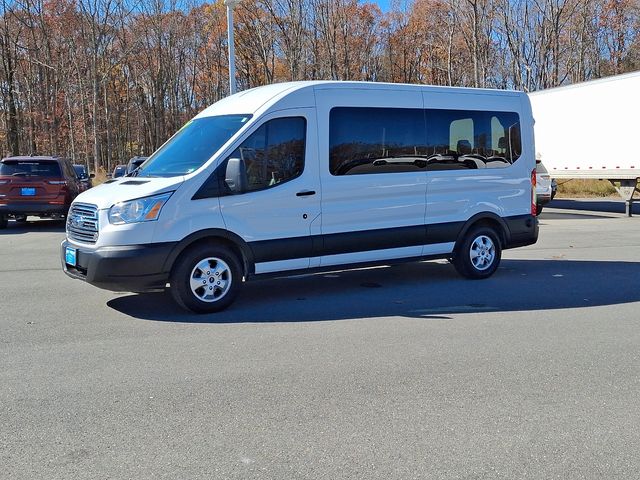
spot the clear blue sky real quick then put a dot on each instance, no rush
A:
(384, 4)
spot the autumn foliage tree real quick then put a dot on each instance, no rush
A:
(103, 80)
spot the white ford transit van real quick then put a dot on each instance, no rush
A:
(313, 175)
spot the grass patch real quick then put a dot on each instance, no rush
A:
(101, 177)
(577, 188)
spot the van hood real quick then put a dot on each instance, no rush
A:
(122, 189)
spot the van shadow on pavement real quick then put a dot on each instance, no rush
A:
(429, 290)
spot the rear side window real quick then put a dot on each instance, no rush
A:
(540, 168)
(68, 170)
(376, 140)
(463, 139)
(274, 153)
(30, 168)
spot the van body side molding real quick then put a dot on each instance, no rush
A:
(519, 230)
(349, 242)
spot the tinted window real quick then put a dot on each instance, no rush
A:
(274, 153)
(40, 168)
(81, 171)
(193, 145)
(462, 139)
(376, 140)
(67, 169)
(135, 163)
(540, 168)
(119, 171)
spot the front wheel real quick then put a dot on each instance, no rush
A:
(206, 279)
(478, 256)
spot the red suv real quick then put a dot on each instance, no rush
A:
(39, 186)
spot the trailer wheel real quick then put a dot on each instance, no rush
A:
(478, 254)
(206, 279)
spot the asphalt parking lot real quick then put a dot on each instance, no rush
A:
(406, 372)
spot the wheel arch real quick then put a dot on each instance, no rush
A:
(487, 219)
(220, 237)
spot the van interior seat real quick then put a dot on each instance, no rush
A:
(464, 147)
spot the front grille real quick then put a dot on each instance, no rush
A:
(82, 223)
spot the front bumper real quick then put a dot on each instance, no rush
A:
(130, 268)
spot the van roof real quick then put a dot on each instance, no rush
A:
(262, 98)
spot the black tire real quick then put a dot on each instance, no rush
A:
(222, 265)
(3, 222)
(538, 209)
(481, 242)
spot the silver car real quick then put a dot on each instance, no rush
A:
(544, 187)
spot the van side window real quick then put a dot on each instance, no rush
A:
(376, 140)
(464, 139)
(274, 153)
(460, 133)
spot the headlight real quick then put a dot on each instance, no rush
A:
(140, 210)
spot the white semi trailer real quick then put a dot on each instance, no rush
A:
(592, 130)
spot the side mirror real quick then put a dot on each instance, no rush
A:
(92, 175)
(109, 175)
(236, 175)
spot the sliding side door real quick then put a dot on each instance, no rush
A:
(373, 174)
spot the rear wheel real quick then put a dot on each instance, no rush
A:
(478, 256)
(538, 209)
(206, 279)
(3, 221)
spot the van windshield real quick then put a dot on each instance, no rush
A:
(192, 146)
